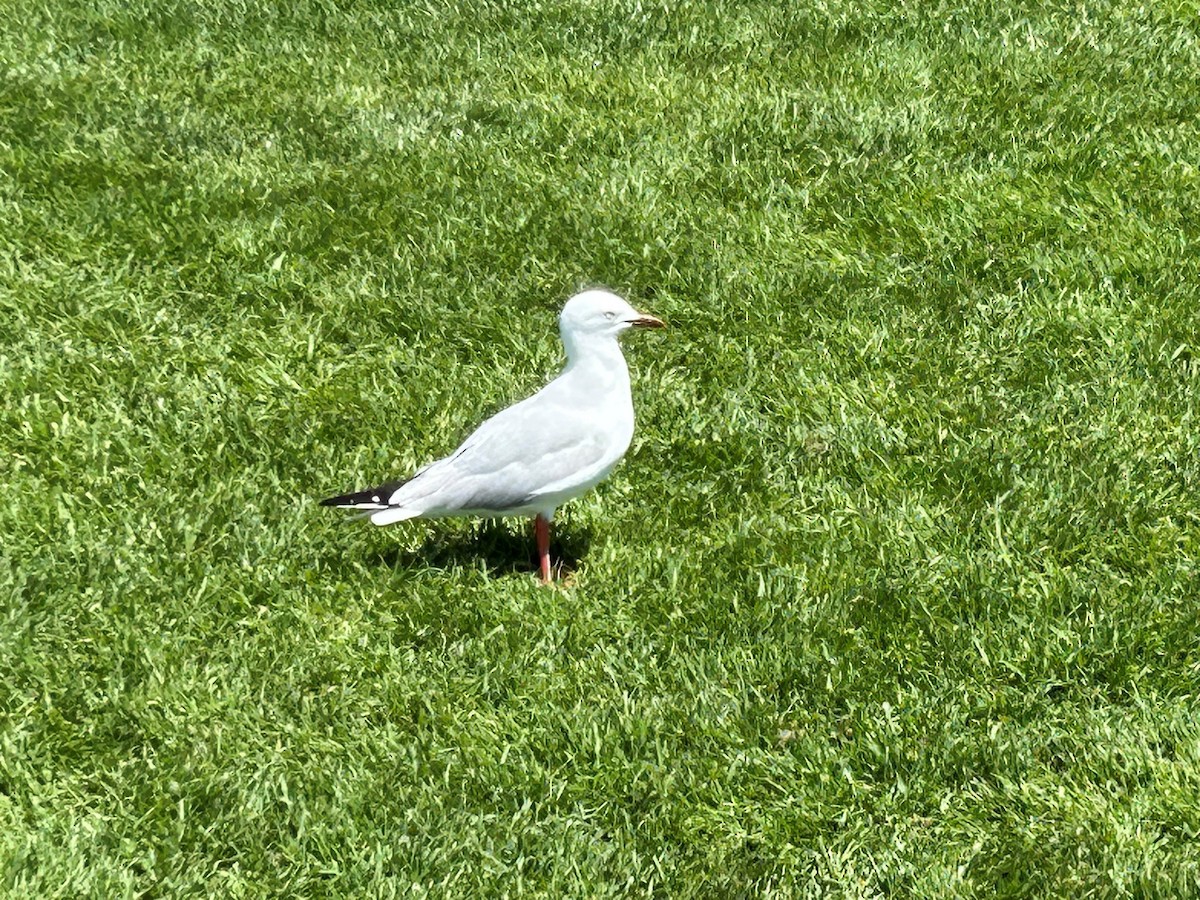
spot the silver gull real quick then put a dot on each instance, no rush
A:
(537, 454)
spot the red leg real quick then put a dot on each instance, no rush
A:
(541, 527)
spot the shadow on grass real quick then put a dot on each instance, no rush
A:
(502, 549)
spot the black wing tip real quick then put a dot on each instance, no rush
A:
(375, 496)
(358, 498)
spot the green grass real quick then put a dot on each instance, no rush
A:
(895, 594)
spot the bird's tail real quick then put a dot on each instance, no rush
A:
(374, 504)
(392, 514)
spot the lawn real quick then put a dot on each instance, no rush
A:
(896, 593)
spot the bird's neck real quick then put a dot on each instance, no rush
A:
(596, 357)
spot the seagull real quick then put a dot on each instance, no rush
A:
(537, 454)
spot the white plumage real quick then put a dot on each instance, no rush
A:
(535, 455)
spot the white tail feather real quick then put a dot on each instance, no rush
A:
(394, 514)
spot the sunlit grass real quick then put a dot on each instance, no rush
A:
(894, 595)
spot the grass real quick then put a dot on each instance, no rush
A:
(894, 595)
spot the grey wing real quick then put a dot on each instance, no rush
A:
(508, 462)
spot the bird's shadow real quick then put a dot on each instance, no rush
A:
(500, 547)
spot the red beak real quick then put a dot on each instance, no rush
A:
(645, 321)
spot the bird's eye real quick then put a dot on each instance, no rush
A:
(610, 315)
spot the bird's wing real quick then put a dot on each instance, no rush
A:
(525, 451)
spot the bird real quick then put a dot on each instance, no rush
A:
(532, 457)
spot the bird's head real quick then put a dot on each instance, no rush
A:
(600, 313)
